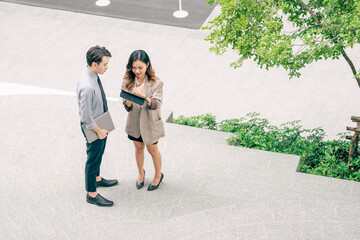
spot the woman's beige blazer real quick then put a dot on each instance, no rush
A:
(144, 121)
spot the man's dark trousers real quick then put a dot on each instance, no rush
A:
(94, 151)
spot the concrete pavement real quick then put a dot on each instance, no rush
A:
(37, 42)
(210, 190)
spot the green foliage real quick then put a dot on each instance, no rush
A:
(207, 121)
(287, 33)
(317, 156)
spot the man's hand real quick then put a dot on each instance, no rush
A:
(102, 133)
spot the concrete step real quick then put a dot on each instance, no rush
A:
(210, 190)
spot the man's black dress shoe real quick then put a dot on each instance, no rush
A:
(151, 187)
(99, 200)
(106, 183)
(140, 185)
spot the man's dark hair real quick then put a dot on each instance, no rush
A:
(95, 54)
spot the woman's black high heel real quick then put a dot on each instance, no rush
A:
(151, 187)
(140, 185)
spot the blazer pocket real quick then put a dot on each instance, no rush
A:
(156, 116)
(158, 128)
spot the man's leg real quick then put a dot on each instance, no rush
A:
(98, 178)
(94, 152)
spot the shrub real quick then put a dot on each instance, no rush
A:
(317, 156)
(207, 121)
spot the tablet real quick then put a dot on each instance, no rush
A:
(132, 97)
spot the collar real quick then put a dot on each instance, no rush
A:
(91, 75)
(146, 80)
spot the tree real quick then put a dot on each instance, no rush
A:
(254, 29)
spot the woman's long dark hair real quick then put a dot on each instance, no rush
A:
(130, 75)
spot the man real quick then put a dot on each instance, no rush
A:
(92, 103)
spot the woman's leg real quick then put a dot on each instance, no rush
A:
(156, 157)
(139, 156)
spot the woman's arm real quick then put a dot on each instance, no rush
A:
(156, 97)
(127, 104)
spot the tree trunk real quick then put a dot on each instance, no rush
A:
(343, 52)
(351, 66)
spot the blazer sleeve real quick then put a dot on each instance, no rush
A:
(123, 87)
(157, 96)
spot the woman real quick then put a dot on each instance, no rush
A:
(144, 125)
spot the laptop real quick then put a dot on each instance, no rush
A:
(104, 121)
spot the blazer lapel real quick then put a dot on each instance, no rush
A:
(147, 87)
